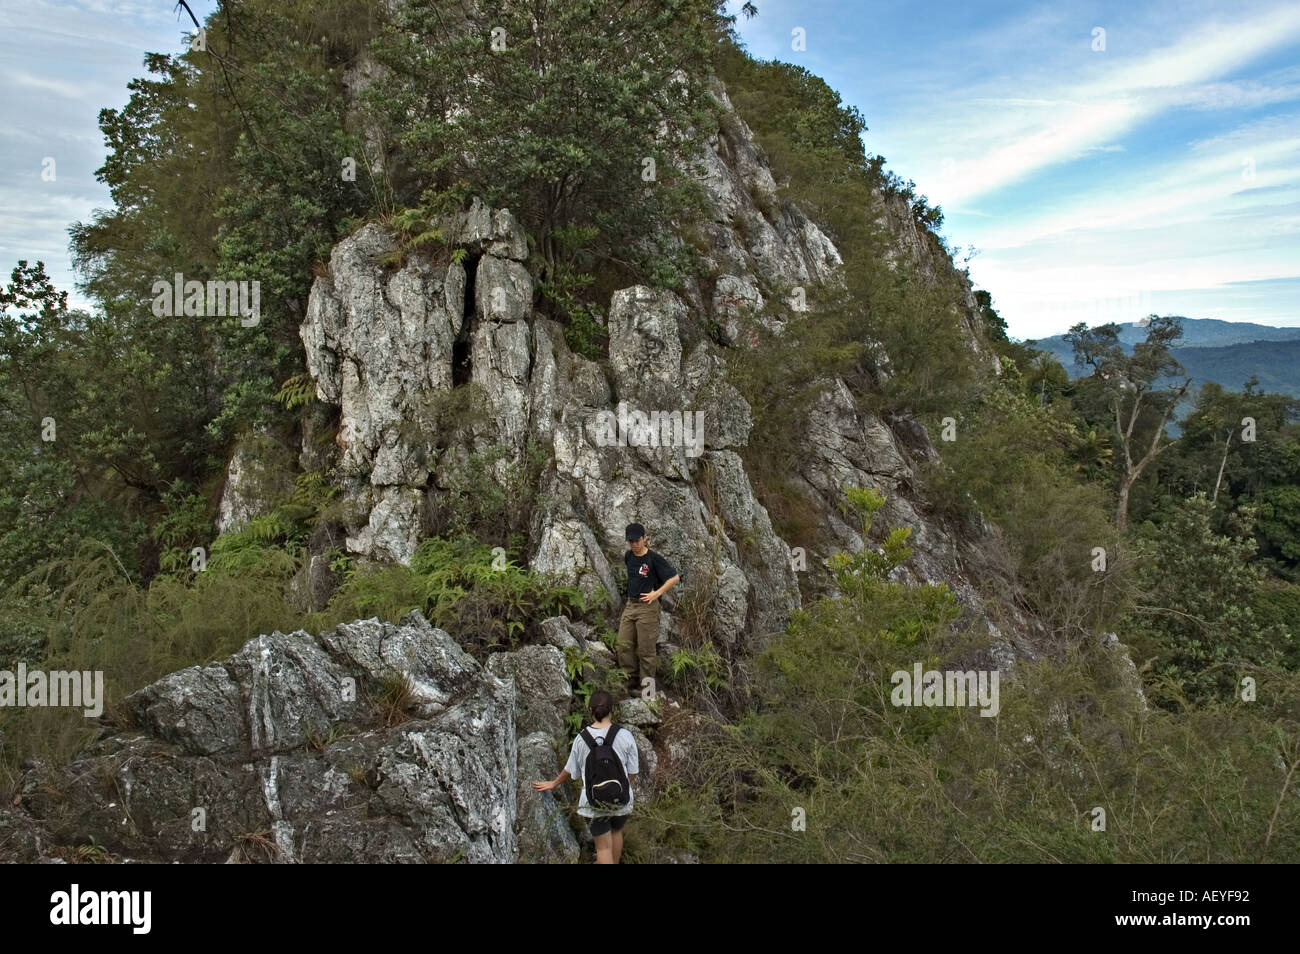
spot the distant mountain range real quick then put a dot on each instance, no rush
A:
(1225, 352)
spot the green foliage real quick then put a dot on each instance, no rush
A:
(22, 627)
(1279, 521)
(585, 331)
(91, 854)
(184, 524)
(576, 662)
(279, 536)
(57, 470)
(909, 785)
(552, 111)
(876, 782)
(419, 226)
(568, 291)
(491, 493)
(83, 611)
(1011, 462)
(703, 667)
(890, 328)
(224, 164)
(1277, 606)
(589, 676)
(1194, 608)
(1122, 396)
(482, 599)
(415, 226)
(859, 573)
(296, 391)
(994, 324)
(1214, 455)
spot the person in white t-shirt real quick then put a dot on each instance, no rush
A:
(606, 826)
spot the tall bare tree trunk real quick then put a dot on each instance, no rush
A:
(1133, 471)
(1223, 463)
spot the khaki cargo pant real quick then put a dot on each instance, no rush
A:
(638, 638)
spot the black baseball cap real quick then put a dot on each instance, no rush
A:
(634, 532)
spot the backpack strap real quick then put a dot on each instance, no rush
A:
(591, 742)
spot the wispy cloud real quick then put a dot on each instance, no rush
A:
(1029, 133)
(1213, 175)
(1235, 95)
(1160, 173)
(61, 61)
(1225, 211)
(68, 89)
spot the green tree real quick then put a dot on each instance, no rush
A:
(579, 118)
(1279, 523)
(994, 324)
(1193, 606)
(55, 487)
(227, 164)
(1128, 385)
(1240, 448)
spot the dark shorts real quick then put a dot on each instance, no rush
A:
(601, 826)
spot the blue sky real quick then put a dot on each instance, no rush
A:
(1161, 174)
(60, 63)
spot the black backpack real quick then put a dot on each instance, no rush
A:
(604, 777)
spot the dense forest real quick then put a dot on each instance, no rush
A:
(250, 155)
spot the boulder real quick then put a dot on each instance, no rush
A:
(259, 476)
(372, 743)
(545, 836)
(635, 711)
(542, 690)
(648, 761)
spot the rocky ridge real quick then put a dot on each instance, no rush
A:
(387, 343)
(313, 771)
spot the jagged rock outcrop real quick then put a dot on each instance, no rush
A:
(545, 836)
(653, 435)
(374, 742)
(381, 345)
(293, 748)
(543, 697)
(752, 233)
(543, 687)
(300, 748)
(260, 474)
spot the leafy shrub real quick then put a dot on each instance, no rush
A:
(825, 746)
(84, 612)
(1194, 611)
(1010, 465)
(491, 494)
(484, 600)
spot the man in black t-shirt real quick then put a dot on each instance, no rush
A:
(649, 576)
